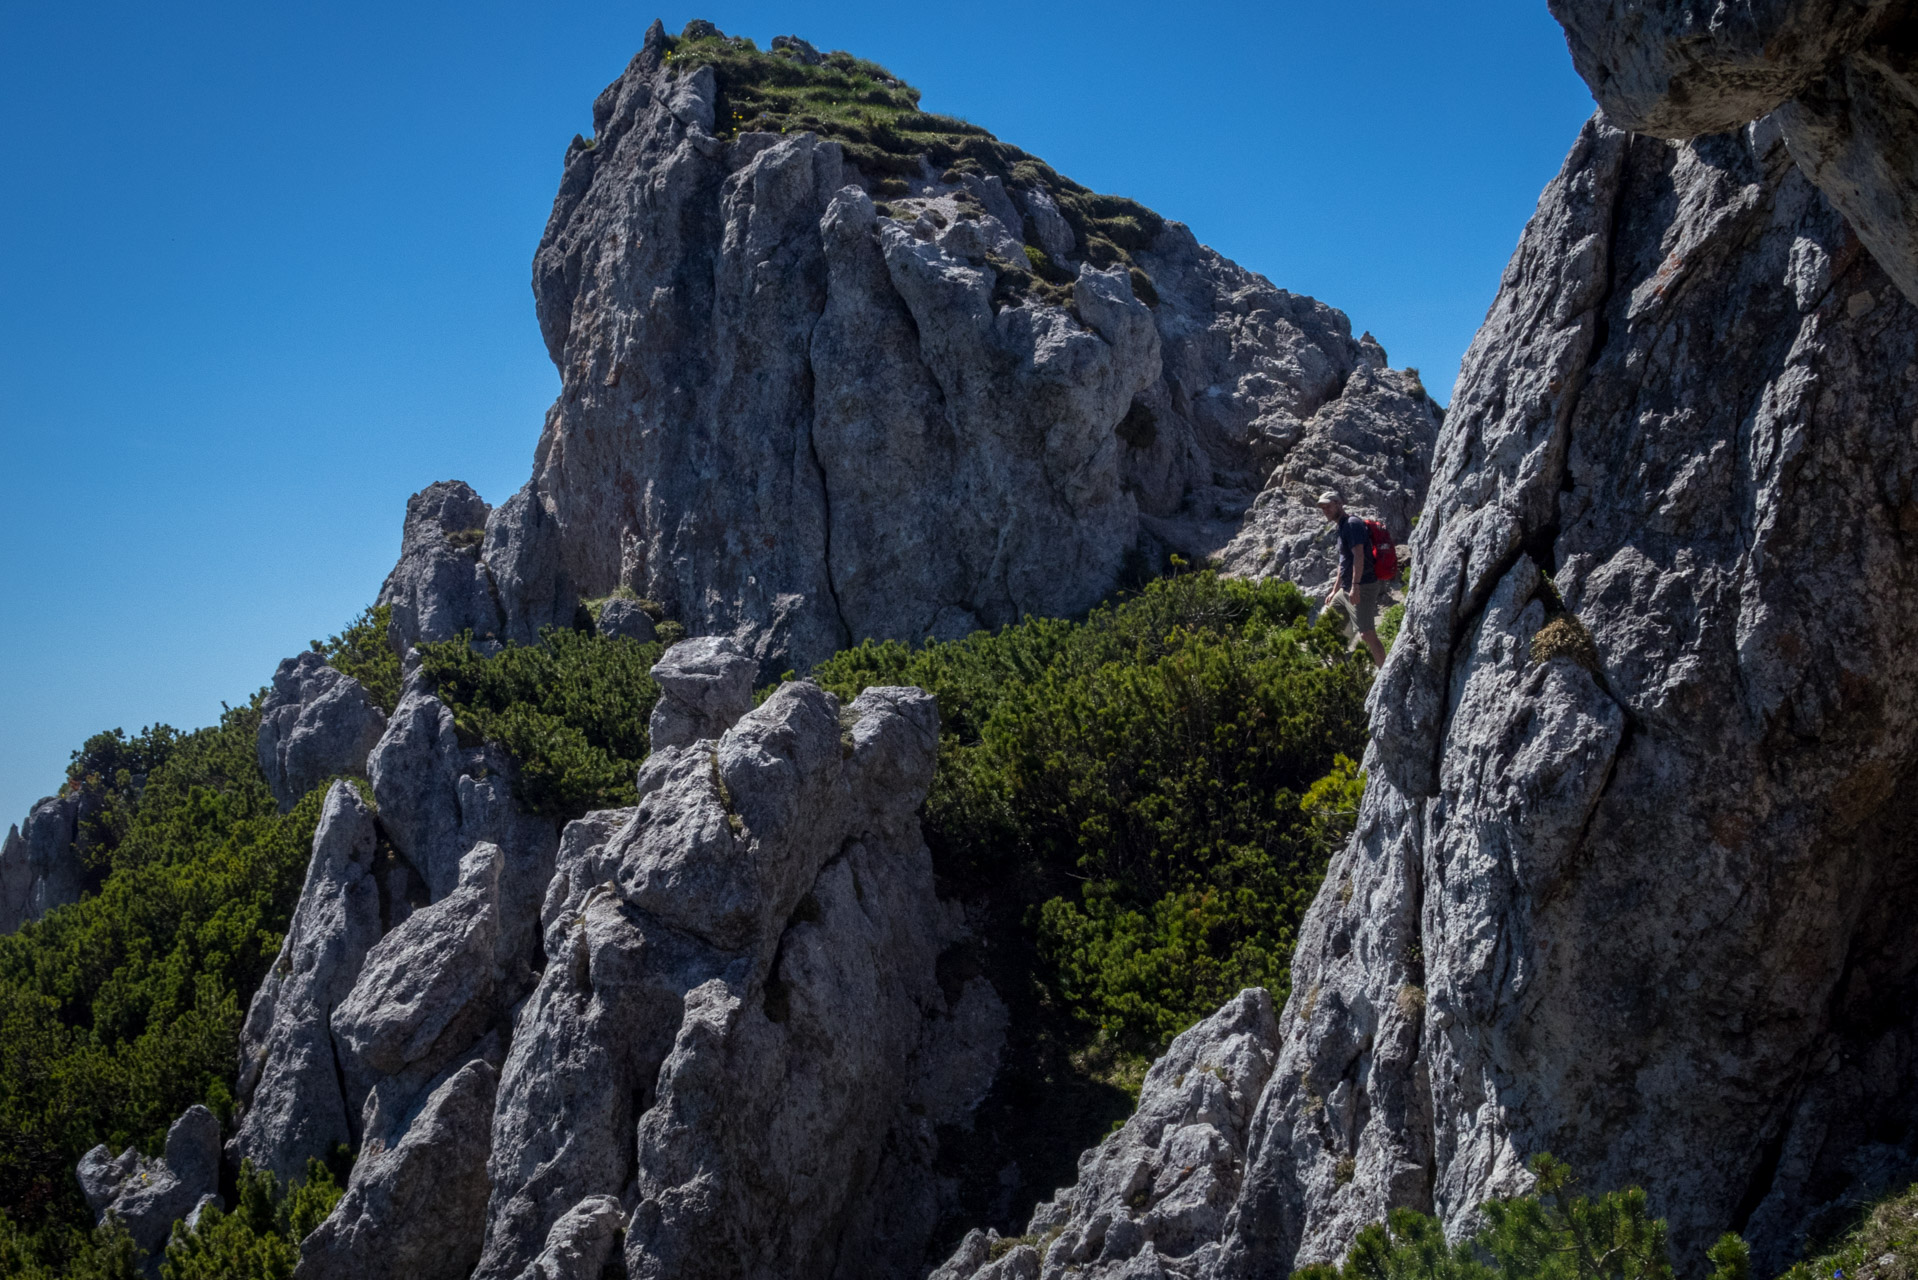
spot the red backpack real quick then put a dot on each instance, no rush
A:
(1385, 555)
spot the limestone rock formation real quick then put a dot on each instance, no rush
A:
(1840, 77)
(1152, 1199)
(292, 1107)
(315, 723)
(805, 402)
(625, 618)
(1628, 873)
(742, 972)
(148, 1196)
(705, 685)
(414, 1211)
(39, 867)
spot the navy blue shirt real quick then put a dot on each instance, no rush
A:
(1354, 536)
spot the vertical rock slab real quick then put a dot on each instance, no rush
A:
(414, 1212)
(740, 1034)
(1620, 882)
(40, 868)
(440, 587)
(292, 1107)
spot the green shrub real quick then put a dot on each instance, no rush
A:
(1548, 1234)
(571, 710)
(259, 1240)
(364, 652)
(121, 1010)
(1883, 1246)
(1389, 623)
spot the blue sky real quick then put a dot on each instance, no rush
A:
(264, 268)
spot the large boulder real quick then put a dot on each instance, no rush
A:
(705, 684)
(315, 723)
(1840, 75)
(743, 972)
(40, 867)
(413, 1211)
(149, 1196)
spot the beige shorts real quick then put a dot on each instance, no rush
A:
(1365, 609)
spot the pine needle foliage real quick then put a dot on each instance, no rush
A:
(121, 1010)
(571, 710)
(1161, 785)
(259, 1240)
(1548, 1234)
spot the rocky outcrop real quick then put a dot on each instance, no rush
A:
(743, 973)
(292, 1105)
(414, 1211)
(799, 415)
(315, 724)
(1152, 1199)
(149, 1196)
(1626, 876)
(40, 868)
(705, 685)
(1839, 77)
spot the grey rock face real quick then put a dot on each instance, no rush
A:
(315, 724)
(414, 1210)
(705, 685)
(624, 618)
(581, 1243)
(39, 866)
(149, 1196)
(1372, 445)
(440, 587)
(291, 1104)
(742, 972)
(1839, 73)
(1153, 1198)
(1627, 900)
(439, 799)
(798, 418)
(425, 994)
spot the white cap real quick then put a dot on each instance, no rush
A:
(1331, 495)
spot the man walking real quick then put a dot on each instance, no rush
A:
(1358, 576)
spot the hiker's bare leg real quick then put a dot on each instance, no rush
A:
(1373, 646)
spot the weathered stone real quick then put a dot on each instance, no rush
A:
(625, 618)
(581, 1243)
(1373, 445)
(291, 1105)
(440, 587)
(884, 442)
(438, 799)
(315, 724)
(426, 993)
(799, 49)
(769, 896)
(1634, 907)
(1157, 1192)
(149, 1196)
(40, 869)
(705, 685)
(416, 1210)
(1840, 75)
(521, 556)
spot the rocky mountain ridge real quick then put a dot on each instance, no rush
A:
(1627, 882)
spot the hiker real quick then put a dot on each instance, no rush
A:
(1358, 572)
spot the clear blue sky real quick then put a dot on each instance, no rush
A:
(264, 267)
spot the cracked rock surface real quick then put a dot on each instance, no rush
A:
(797, 416)
(1840, 78)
